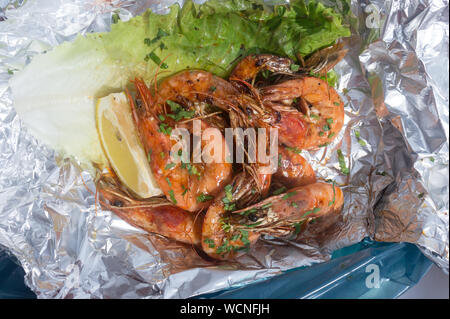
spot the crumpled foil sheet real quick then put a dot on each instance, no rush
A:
(395, 84)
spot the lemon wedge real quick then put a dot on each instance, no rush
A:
(122, 147)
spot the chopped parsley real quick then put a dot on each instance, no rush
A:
(294, 149)
(342, 164)
(226, 227)
(229, 192)
(315, 210)
(209, 242)
(244, 237)
(294, 67)
(161, 33)
(115, 18)
(288, 195)
(204, 198)
(172, 196)
(330, 203)
(298, 226)
(337, 103)
(329, 121)
(165, 129)
(179, 112)
(152, 56)
(279, 191)
(170, 165)
(228, 199)
(265, 74)
(162, 46)
(254, 225)
(248, 212)
(331, 135)
(192, 170)
(326, 128)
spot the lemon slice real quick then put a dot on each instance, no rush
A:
(122, 147)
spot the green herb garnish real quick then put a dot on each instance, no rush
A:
(115, 18)
(179, 112)
(298, 227)
(294, 149)
(253, 225)
(295, 67)
(209, 242)
(342, 164)
(288, 195)
(152, 56)
(279, 191)
(330, 203)
(172, 196)
(165, 129)
(204, 198)
(170, 165)
(162, 46)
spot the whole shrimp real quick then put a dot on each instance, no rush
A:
(161, 218)
(320, 116)
(284, 214)
(218, 241)
(306, 110)
(226, 234)
(188, 186)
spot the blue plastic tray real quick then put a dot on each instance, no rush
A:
(349, 274)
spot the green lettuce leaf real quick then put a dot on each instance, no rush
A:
(55, 95)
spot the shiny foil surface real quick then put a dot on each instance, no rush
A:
(394, 81)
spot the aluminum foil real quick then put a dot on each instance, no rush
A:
(395, 84)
